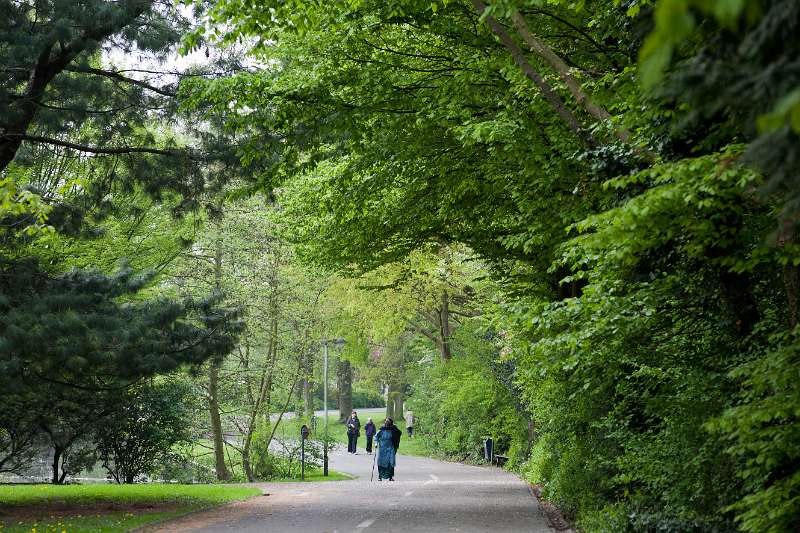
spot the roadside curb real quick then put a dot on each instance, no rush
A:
(555, 519)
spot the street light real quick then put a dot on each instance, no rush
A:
(338, 343)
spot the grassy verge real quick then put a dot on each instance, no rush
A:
(290, 428)
(316, 475)
(105, 508)
(417, 446)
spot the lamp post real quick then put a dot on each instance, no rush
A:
(336, 342)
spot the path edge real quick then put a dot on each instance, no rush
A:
(555, 518)
(158, 523)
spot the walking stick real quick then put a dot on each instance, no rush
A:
(374, 456)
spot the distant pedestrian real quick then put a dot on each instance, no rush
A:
(353, 431)
(369, 432)
(410, 424)
(388, 440)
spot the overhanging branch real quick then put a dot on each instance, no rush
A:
(117, 76)
(97, 149)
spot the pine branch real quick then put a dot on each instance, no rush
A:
(96, 149)
(117, 76)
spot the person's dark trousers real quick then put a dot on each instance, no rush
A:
(351, 443)
(410, 431)
(369, 445)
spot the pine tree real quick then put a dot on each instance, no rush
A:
(70, 343)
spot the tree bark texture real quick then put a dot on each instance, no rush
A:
(213, 389)
(394, 401)
(263, 400)
(444, 327)
(57, 453)
(398, 399)
(216, 422)
(308, 397)
(344, 378)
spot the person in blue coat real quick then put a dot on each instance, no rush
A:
(388, 441)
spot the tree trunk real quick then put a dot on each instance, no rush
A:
(216, 422)
(344, 377)
(308, 398)
(264, 399)
(531, 435)
(541, 49)
(308, 389)
(394, 401)
(444, 327)
(213, 388)
(399, 398)
(246, 466)
(57, 453)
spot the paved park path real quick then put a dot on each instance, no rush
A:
(428, 495)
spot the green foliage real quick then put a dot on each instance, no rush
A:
(448, 152)
(763, 431)
(641, 287)
(260, 455)
(17, 204)
(282, 460)
(70, 343)
(461, 403)
(93, 335)
(367, 398)
(152, 419)
(636, 341)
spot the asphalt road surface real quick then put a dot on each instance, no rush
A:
(427, 495)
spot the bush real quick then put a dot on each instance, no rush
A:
(180, 467)
(283, 460)
(366, 398)
(459, 404)
(151, 419)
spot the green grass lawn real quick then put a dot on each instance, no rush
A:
(316, 475)
(417, 446)
(105, 508)
(290, 428)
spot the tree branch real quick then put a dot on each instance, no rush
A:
(94, 149)
(117, 76)
(540, 48)
(547, 91)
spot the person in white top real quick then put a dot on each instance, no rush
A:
(410, 424)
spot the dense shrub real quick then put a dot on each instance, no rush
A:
(282, 459)
(365, 398)
(460, 403)
(152, 418)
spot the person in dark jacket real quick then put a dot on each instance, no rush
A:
(388, 439)
(353, 432)
(369, 432)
